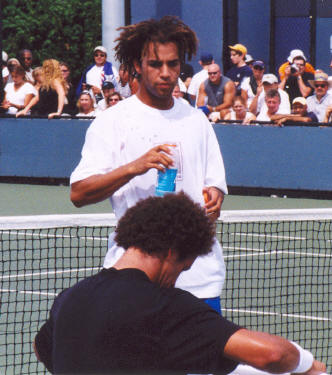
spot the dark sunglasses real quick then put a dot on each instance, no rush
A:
(323, 85)
(99, 54)
(212, 73)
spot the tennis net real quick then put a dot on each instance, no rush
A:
(278, 274)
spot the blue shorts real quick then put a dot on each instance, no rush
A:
(214, 303)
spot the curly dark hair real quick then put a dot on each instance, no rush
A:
(155, 225)
(134, 39)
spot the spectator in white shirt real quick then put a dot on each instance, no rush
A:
(253, 85)
(108, 89)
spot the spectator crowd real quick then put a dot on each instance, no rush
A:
(247, 93)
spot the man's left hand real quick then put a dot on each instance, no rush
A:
(213, 200)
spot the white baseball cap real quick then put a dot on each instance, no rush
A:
(269, 78)
(295, 53)
(100, 48)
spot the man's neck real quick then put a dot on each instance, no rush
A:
(240, 64)
(153, 101)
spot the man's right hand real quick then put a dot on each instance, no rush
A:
(158, 157)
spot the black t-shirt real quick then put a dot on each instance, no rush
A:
(292, 86)
(121, 322)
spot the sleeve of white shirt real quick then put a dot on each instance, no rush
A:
(215, 170)
(284, 108)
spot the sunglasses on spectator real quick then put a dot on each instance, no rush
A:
(99, 54)
(212, 73)
(114, 99)
(323, 85)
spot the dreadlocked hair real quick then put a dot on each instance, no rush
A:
(134, 39)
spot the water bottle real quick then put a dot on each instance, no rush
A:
(166, 180)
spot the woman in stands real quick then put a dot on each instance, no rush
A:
(85, 105)
(19, 92)
(239, 112)
(52, 92)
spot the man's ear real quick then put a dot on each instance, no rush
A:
(137, 66)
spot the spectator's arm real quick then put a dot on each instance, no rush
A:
(305, 90)
(201, 95)
(254, 104)
(61, 99)
(32, 102)
(244, 95)
(229, 95)
(328, 114)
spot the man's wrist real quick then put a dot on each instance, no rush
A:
(306, 359)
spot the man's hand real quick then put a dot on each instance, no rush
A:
(157, 158)
(213, 200)
(316, 369)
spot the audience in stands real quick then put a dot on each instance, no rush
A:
(18, 93)
(52, 93)
(295, 80)
(294, 54)
(216, 93)
(258, 105)
(70, 103)
(320, 100)
(205, 61)
(25, 59)
(299, 113)
(114, 98)
(240, 69)
(107, 89)
(85, 105)
(272, 99)
(97, 73)
(123, 86)
(253, 85)
(239, 111)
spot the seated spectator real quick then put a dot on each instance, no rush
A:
(37, 75)
(320, 100)
(70, 106)
(107, 89)
(96, 74)
(217, 92)
(253, 85)
(52, 93)
(178, 94)
(299, 113)
(25, 59)
(293, 54)
(123, 82)
(18, 93)
(258, 104)
(186, 74)
(249, 60)
(239, 112)
(114, 99)
(205, 61)
(240, 69)
(85, 105)
(272, 100)
(296, 80)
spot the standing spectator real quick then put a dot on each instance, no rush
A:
(107, 89)
(205, 61)
(96, 74)
(258, 104)
(126, 145)
(25, 59)
(253, 85)
(296, 80)
(320, 100)
(123, 82)
(18, 93)
(114, 99)
(85, 105)
(272, 100)
(70, 103)
(217, 92)
(294, 54)
(239, 111)
(52, 93)
(240, 70)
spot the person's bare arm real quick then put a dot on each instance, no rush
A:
(266, 352)
(305, 90)
(229, 95)
(32, 102)
(254, 104)
(99, 187)
(201, 95)
(61, 99)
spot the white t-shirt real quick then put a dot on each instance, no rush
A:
(245, 86)
(128, 130)
(284, 108)
(17, 97)
(94, 76)
(196, 81)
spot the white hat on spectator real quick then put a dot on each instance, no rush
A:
(249, 59)
(300, 99)
(101, 49)
(295, 53)
(269, 78)
(4, 56)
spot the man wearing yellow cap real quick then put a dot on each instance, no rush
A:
(240, 69)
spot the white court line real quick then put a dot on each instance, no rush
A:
(28, 292)
(35, 274)
(48, 235)
(268, 236)
(264, 252)
(296, 316)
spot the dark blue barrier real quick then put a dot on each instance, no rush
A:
(268, 157)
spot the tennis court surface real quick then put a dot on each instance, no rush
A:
(278, 278)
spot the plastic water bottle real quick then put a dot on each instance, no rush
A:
(166, 180)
